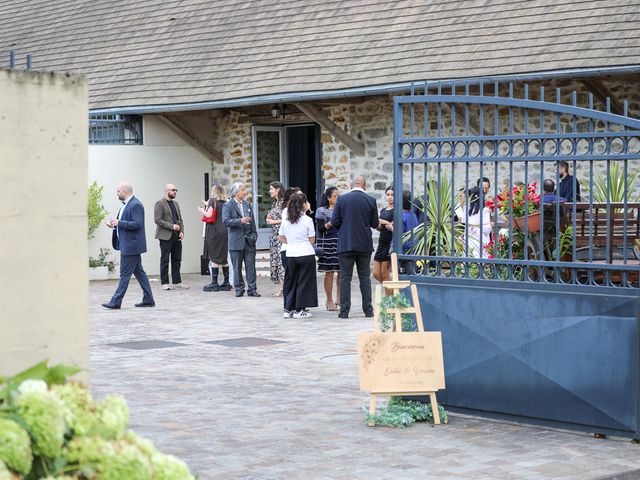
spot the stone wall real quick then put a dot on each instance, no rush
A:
(371, 122)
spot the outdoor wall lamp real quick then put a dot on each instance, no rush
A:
(278, 111)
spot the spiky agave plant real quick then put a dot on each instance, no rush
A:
(439, 210)
(616, 186)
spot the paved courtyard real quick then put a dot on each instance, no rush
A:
(292, 410)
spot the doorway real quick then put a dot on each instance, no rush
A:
(290, 154)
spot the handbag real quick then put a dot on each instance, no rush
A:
(212, 218)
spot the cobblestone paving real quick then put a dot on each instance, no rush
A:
(293, 410)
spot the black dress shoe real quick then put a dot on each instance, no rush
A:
(142, 304)
(240, 293)
(112, 306)
(343, 315)
(368, 315)
(253, 294)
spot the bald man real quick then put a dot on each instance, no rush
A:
(128, 237)
(355, 214)
(170, 232)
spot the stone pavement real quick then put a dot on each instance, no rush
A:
(293, 410)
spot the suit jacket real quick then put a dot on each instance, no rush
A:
(355, 214)
(239, 234)
(129, 236)
(164, 220)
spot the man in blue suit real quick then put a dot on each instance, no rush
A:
(128, 237)
(355, 214)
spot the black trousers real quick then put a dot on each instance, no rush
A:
(170, 251)
(248, 256)
(301, 289)
(362, 261)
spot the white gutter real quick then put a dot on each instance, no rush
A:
(361, 91)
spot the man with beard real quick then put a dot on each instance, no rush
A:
(170, 232)
(128, 237)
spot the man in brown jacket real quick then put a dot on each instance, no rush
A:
(170, 232)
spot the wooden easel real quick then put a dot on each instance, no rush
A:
(396, 285)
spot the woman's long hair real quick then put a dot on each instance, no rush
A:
(295, 208)
(218, 193)
(473, 196)
(280, 188)
(325, 198)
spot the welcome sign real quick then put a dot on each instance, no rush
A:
(401, 362)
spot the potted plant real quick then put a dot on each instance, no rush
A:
(515, 202)
(100, 268)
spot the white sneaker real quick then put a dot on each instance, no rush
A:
(287, 314)
(166, 286)
(302, 314)
(181, 286)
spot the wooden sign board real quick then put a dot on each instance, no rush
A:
(401, 362)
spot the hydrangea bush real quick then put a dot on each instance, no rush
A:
(53, 429)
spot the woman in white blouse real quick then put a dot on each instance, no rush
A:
(298, 232)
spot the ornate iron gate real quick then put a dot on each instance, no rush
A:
(540, 322)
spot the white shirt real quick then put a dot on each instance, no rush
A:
(298, 235)
(283, 246)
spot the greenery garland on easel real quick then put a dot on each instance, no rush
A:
(398, 300)
(400, 413)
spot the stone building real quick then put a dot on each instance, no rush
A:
(256, 91)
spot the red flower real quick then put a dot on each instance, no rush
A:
(490, 204)
(490, 257)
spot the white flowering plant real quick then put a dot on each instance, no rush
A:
(52, 428)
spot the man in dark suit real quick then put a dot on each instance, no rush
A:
(242, 233)
(128, 237)
(170, 232)
(355, 214)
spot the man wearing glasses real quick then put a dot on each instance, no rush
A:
(170, 232)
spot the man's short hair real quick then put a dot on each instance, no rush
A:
(563, 164)
(234, 188)
(549, 186)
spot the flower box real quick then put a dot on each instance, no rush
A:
(532, 221)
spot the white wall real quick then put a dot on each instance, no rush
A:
(165, 158)
(43, 248)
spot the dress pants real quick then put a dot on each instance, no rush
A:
(170, 249)
(362, 261)
(132, 265)
(301, 283)
(248, 256)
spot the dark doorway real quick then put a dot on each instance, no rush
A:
(304, 157)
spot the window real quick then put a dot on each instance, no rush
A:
(115, 129)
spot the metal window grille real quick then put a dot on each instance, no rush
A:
(115, 129)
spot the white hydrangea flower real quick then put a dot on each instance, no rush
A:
(32, 386)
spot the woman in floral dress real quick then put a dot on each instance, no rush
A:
(274, 218)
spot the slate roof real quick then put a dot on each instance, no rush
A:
(152, 52)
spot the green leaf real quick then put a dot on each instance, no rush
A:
(58, 374)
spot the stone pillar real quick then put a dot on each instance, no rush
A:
(43, 212)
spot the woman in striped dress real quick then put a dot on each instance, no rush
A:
(327, 241)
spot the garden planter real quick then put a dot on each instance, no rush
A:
(101, 273)
(532, 221)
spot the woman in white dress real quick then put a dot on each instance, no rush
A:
(477, 237)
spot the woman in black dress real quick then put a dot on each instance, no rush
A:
(328, 243)
(382, 258)
(215, 240)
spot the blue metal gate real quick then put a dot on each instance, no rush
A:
(537, 295)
